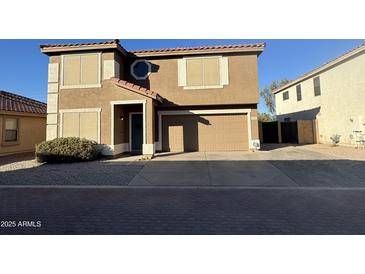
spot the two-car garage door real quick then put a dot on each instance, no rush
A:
(213, 132)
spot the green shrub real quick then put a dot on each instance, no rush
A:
(66, 150)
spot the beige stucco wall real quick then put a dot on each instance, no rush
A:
(242, 87)
(101, 98)
(32, 130)
(342, 100)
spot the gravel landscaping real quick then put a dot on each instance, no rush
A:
(102, 172)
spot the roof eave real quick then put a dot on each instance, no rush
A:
(154, 95)
(22, 113)
(51, 50)
(258, 51)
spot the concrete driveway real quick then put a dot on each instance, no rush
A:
(274, 167)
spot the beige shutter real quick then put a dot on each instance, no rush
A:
(181, 72)
(194, 72)
(89, 125)
(89, 69)
(224, 71)
(211, 72)
(70, 124)
(71, 70)
(11, 124)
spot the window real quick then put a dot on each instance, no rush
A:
(11, 130)
(83, 124)
(140, 69)
(317, 86)
(285, 95)
(203, 72)
(81, 70)
(299, 92)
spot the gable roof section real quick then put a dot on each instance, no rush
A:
(11, 102)
(257, 47)
(325, 66)
(53, 48)
(137, 89)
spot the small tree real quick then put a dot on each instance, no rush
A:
(269, 97)
(265, 117)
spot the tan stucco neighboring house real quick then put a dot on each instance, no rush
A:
(22, 123)
(333, 94)
(174, 99)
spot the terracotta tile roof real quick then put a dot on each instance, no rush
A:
(52, 48)
(11, 102)
(111, 42)
(56, 48)
(319, 69)
(138, 89)
(237, 46)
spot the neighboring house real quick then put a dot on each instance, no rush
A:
(174, 99)
(22, 123)
(334, 94)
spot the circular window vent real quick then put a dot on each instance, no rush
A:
(141, 69)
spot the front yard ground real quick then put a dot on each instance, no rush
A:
(274, 166)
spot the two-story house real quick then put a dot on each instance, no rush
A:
(173, 99)
(333, 94)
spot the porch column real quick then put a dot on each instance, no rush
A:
(148, 148)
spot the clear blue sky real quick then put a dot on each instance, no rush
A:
(23, 69)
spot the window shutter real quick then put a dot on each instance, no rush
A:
(224, 71)
(181, 72)
(89, 125)
(211, 71)
(89, 69)
(71, 124)
(71, 70)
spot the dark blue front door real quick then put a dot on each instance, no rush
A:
(137, 132)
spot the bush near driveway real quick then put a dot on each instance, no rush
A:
(66, 150)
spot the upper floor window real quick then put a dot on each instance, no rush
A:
(299, 92)
(317, 86)
(203, 72)
(11, 130)
(81, 70)
(285, 95)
